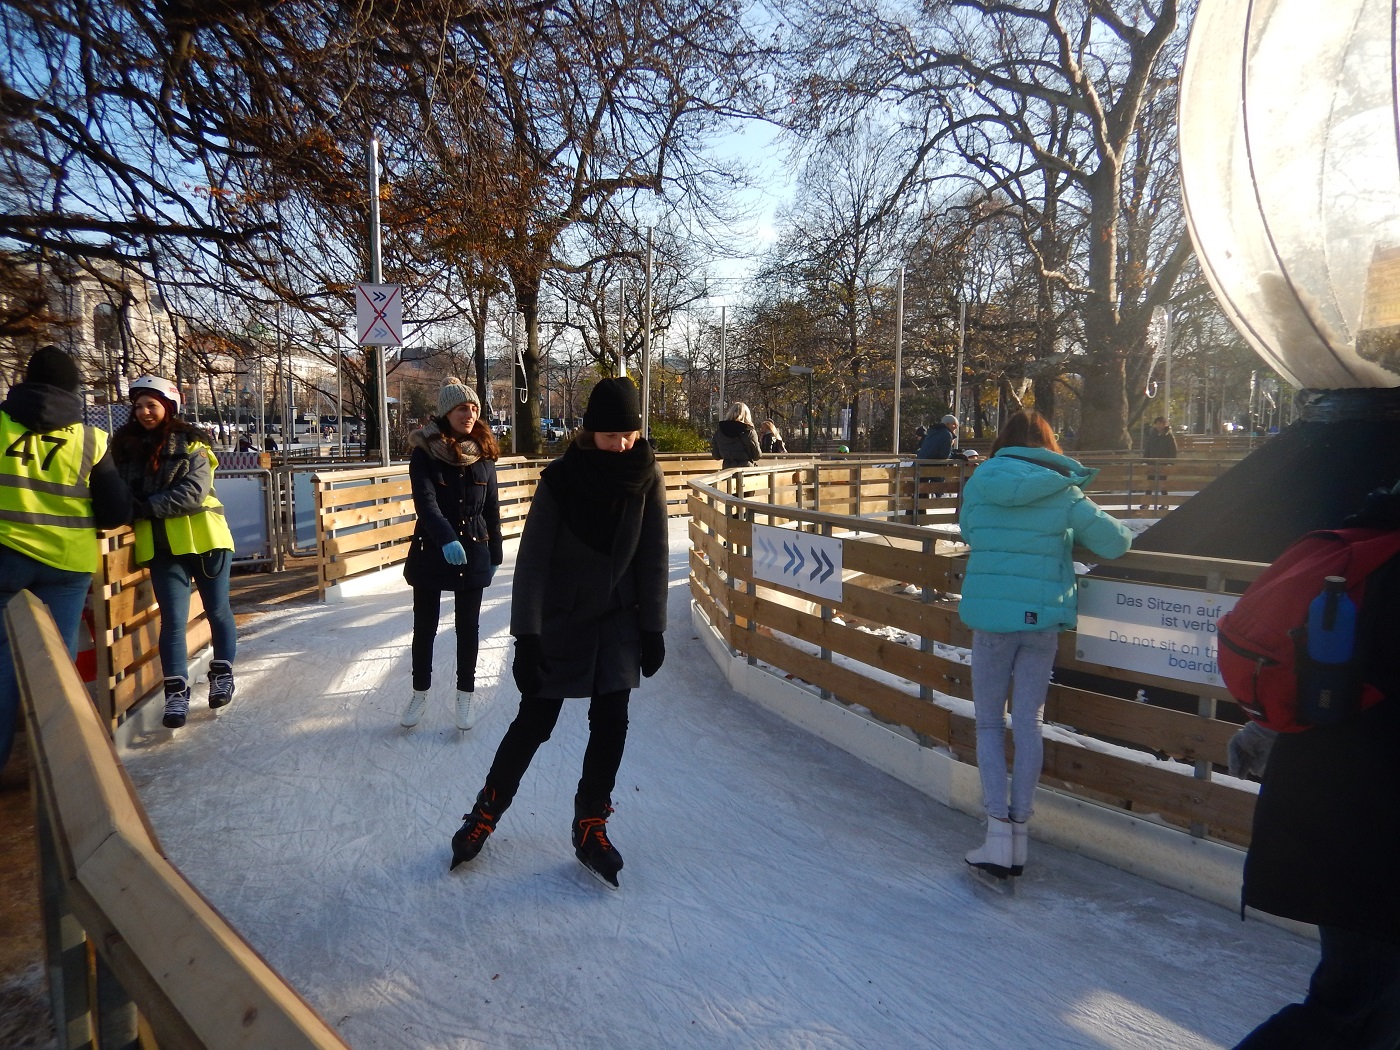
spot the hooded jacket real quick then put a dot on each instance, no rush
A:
(736, 443)
(1022, 513)
(44, 409)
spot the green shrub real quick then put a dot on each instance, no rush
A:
(670, 436)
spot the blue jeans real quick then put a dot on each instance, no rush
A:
(1353, 1001)
(64, 592)
(1020, 661)
(171, 578)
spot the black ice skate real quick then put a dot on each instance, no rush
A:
(591, 845)
(220, 683)
(479, 824)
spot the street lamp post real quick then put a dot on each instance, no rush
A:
(803, 370)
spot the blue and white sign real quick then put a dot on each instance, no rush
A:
(803, 561)
(1166, 631)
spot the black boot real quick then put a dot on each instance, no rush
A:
(480, 822)
(591, 844)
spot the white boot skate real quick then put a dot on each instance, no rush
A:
(470, 708)
(414, 711)
(993, 857)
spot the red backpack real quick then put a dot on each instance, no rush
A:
(1261, 653)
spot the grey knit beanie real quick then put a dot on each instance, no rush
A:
(453, 393)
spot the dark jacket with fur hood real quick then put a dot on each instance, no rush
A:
(736, 443)
(455, 498)
(592, 569)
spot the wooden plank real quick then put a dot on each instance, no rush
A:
(1180, 734)
(349, 495)
(908, 613)
(883, 701)
(358, 563)
(346, 543)
(943, 675)
(940, 571)
(109, 854)
(370, 514)
(1144, 788)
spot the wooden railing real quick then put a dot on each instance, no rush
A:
(1135, 756)
(126, 929)
(365, 518)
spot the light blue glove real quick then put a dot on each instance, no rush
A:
(454, 553)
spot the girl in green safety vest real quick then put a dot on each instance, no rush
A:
(181, 535)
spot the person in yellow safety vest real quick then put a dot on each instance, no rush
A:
(181, 535)
(58, 485)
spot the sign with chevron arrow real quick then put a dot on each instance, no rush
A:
(378, 315)
(803, 561)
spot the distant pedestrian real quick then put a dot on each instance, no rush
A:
(181, 536)
(587, 612)
(1022, 512)
(58, 485)
(938, 442)
(770, 439)
(456, 543)
(1158, 448)
(735, 441)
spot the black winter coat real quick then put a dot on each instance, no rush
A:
(453, 503)
(1159, 446)
(736, 444)
(587, 607)
(1326, 841)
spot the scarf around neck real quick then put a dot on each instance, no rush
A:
(458, 452)
(592, 488)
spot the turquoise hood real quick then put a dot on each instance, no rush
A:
(1023, 511)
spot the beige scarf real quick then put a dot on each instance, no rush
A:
(458, 452)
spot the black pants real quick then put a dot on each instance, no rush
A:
(607, 736)
(427, 607)
(1353, 1000)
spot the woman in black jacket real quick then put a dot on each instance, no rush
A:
(735, 441)
(456, 543)
(587, 611)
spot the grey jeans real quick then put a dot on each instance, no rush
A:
(1020, 661)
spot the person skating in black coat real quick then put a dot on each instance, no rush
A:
(735, 441)
(587, 611)
(1325, 847)
(456, 543)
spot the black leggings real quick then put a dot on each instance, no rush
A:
(607, 736)
(427, 607)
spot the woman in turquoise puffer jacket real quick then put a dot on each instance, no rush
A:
(1023, 512)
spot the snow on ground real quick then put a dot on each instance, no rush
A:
(777, 892)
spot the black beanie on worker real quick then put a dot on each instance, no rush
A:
(53, 367)
(613, 408)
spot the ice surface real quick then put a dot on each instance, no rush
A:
(778, 892)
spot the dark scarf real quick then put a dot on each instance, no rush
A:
(459, 452)
(135, 457)
(592, 488)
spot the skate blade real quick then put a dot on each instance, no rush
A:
(1002, 883)
(610, 883)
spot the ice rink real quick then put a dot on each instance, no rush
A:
(777, 891)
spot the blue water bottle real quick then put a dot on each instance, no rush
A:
(1327, 690)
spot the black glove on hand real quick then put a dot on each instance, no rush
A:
(526, 667)
(140, 509)
(653, 652)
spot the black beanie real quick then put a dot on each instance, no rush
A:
(51, 366)
(613, 408)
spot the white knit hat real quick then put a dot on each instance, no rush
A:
(453, 393)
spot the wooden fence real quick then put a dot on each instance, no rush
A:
(365, 518)
(901, 655)
(134, 951)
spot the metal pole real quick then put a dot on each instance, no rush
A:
(723, 362)
(1167, 350)
(339, 400)
(376, 276)
(957, 382)
(622, 327)
(898, 355)
(646, 345)
(514, 367)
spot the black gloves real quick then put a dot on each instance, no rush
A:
(141, 509)
(526, 667)
(653, 652)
